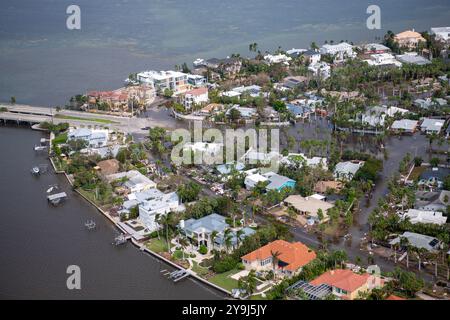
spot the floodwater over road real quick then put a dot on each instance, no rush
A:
(38, 242)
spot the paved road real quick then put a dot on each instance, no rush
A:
(397, 148)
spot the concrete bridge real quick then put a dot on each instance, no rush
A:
(33, 114)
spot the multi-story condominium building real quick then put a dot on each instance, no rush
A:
(162, 80)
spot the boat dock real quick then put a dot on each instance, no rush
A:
(176, 275)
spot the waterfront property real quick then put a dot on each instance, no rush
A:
(93, 137)
(158, 204)
(174, 81)
(409, 39)
(340, 51)
(441, 33)
(280, 256)
(212, 232)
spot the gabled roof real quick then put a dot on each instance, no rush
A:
(295, 255)
(343, 279)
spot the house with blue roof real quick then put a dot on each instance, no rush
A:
(299, 112)
(278, 182)
(200, 231)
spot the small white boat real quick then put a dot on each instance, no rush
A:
(35, 170)
(52, 188)
(40, 148)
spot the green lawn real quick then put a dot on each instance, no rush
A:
(60, 116)
(61, 138)
(223, 280)
(201, 271)
(157, 245)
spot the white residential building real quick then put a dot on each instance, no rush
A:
(252, 180)
(430, 125)
(162, 80)
(194, 97)
(422, 216)
(279, 58)
(442, 33)
(134, 181)
(383, 59)
(320, 69)
(341, 50)
(94, 137)
(405, 125)
(159, 204)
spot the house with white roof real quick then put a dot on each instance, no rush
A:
(275, 181)
(158, 204)
(252, 180)
(413, 58)
(296, 159)
(162, 80)
(253, 156)
(295, 52)
(246, 113)
(374, 48)
(428, 102)
(430, 125)
(441, 33)
(320, 69)
(419, 241)
(134, 181)
(423, 216)
(279, 58)
(405, 125)
(94, 137)
(340, 51)
(383, 59)
(346, 170)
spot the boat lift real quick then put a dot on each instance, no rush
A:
(56, 198)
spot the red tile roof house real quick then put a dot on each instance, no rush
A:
(289, 260)
(346, 284)
(194, 97)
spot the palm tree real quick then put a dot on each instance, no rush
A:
(184, 243)
(239, 234)
(274, 255)
(213, 237)
(228, 236)
(165, 220)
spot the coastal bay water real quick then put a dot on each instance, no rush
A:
(44, 63)
(38, 242)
